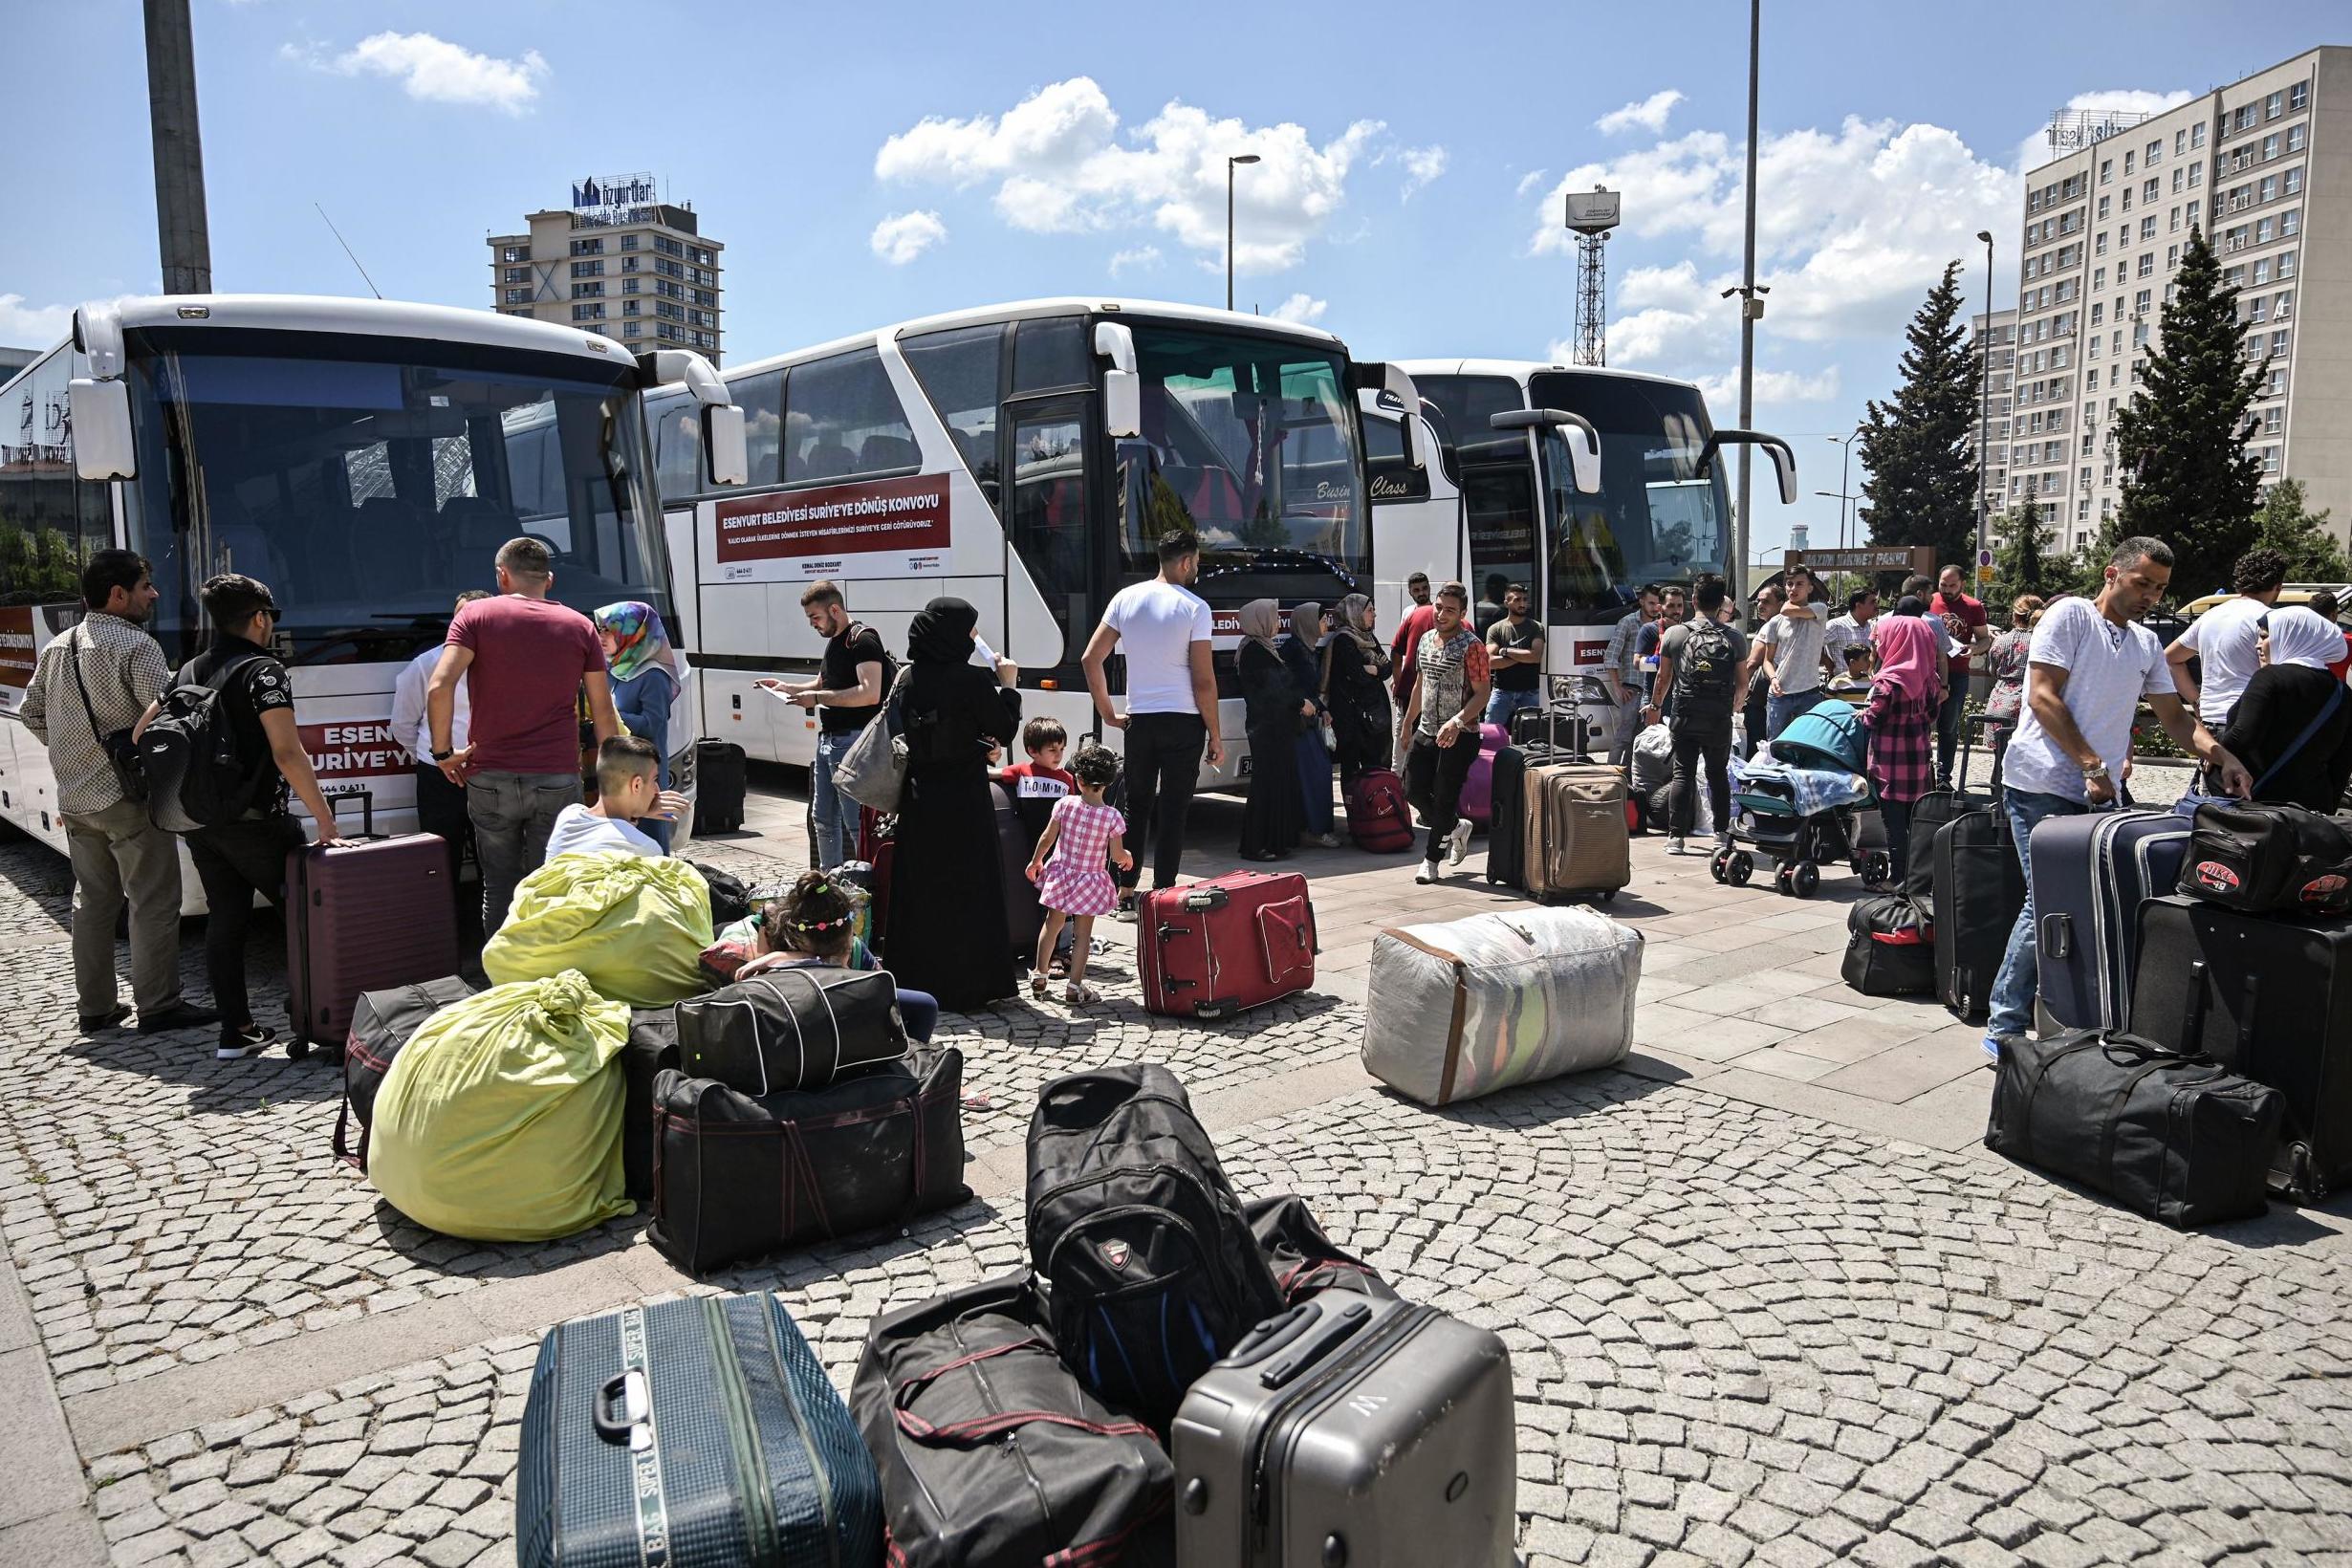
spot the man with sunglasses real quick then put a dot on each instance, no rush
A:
(239, 858)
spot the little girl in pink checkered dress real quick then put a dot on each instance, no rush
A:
(1082, 840)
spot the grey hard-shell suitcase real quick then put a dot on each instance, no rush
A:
(690, 1432)
(2091, 874)
(1350, 1431)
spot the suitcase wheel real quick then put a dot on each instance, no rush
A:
(297, 1045)
(1211, 1012)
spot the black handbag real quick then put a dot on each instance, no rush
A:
(2262, 860)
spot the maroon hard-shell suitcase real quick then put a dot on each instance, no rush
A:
(1211, 948)
(366, 914)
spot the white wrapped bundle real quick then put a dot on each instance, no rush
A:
(1466, 1008)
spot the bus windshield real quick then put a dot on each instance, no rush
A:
(369, 480)
(1657, 517)
(1253, 445)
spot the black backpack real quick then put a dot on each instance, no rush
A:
(1708, 672)
(1149, 1264)
(197, 775)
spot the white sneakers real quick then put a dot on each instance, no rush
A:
(1676, 847)
(1457, 843)
(1428, 873)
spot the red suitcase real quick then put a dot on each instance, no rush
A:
(1212, 949)
(367, 914)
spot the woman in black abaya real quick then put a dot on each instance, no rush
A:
(946, 930)
(1273, 710)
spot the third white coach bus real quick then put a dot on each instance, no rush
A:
(1026, 458)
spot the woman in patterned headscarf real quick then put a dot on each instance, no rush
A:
(1355, 684)
(645, 682)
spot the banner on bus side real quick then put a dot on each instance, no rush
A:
(20, 650)
(881, 528)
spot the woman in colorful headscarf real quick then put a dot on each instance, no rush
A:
(1900, 717)
(1354, 685)
(1273, 709)
(645, 682)
(2293, 724)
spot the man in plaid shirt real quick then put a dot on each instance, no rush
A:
(1621, 668)
(94, 678)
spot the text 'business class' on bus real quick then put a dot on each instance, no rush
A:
(366, 459)
(1026, 458)
(1518, 438)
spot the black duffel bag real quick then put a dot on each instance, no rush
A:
(382, 1022)
(2262, 860)
(1304, 1260)
(793, 1027)
(1889, 948)
(2177, 1137)
(736, 1178)
(991, 1454)
(731, 896)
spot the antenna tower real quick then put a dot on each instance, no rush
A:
(1591, 215)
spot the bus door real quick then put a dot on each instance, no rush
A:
(1052, 513)
(1499, 500)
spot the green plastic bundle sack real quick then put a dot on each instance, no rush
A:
(501, 1118)
(635, 926)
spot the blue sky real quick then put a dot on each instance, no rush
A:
(864, 163)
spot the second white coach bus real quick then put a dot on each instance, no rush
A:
(1027, 458)
(366, 459)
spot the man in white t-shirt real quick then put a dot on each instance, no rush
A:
(441, 805)
(628, 792)
(1163, 628)
(2222, 639)
(2090, 662)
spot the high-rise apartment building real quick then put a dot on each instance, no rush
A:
(2264, 166)
(1996, 336)
(619, 261)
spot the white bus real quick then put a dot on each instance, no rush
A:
(1516, 436)
(1024, 457)
(364, 459)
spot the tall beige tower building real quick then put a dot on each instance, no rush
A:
(2264, 165)
(619, 261)
(1996, 336)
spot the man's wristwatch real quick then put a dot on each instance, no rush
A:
(2096, 769)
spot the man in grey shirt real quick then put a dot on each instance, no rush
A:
(1791, 643)
(1621, 668)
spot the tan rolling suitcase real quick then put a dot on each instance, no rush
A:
(1577, 840)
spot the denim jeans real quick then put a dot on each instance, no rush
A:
(1628, 725)
(1501, 705)
(835, 813)
(1779, 711)
(512, 814)
(1948, 717)
(918, 1012)
(2012, 991)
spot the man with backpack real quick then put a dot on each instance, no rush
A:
(224, 748)
(1699, 665)
(852, 679)
(88, 690)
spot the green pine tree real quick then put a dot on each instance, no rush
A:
(2025, 560)
(2283, 525)
(2181, 441)
(1920, 484)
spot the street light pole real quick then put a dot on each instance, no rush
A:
(1984, 399)
(1845, 470)
(182, 235)
(1229, 164)
(1748, 299)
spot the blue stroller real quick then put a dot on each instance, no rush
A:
(1797, 804)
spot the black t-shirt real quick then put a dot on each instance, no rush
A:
(858, 644)
(2278, 704)
(1525, 634)
(258, 685)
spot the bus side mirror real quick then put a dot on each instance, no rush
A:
(102, 415)
(1123, 403)
(727, 444)
(1576, 433)
(1784, 461)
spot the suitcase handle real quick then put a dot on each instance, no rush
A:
(2057, 936)
(634, 1395)
(1303, 1334)
(367, 809)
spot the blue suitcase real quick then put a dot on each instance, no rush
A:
(692, 1432)
(2091, 874)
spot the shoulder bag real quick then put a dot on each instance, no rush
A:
(121, 750)
(873, 771)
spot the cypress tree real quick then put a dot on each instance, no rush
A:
(1920, 482)
(2181, 441)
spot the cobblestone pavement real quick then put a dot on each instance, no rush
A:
(1740, 1333)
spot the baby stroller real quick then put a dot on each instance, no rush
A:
(1795, 802)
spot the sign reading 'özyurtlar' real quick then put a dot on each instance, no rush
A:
(880, 528)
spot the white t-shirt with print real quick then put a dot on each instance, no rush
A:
(2225, 639)
(2108, 669)
(1157, 624)
(580, 831)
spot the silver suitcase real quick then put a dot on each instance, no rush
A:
(1350, 1432)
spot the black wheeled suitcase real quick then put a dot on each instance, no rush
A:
(690, 1432)
(1979, 892)
(2181, 1139)
(721, 780)
(1024, 915)
(1928, 815)
(2091, 874)
(1507, 825)
(2270, 998)
(1350, 1430)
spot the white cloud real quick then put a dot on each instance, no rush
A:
(1144, 256)
(902, 236)
(1531, 179)
(33, 326)
(2035, 150)
(1300, 308)
(1772, 386)
(435, 71)
(1421, 165)
(1649, 114)
(1061, 164)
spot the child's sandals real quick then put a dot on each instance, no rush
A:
(1039, 983)
(1079, 993)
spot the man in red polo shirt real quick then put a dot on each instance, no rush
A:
(1965, 619)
